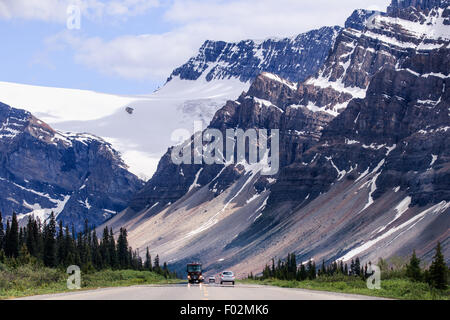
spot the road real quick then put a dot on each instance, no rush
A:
(199, 292)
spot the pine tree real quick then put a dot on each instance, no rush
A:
(266, 272)
(70, 257)
(104, 249)
(12, 239)
(50, 242)
(148, 261)
(30, 241)
(2, 231)
(165, 270)
(438, 270)
(7, 231)
(357, 267)
(413, 268)
(323, 270)
(156, 266)
(122, 249)
(96, 255)
(21, 238)
(60, 245)
(311, 270)
(114, 262)
(303, 273)
(272, 271)
(291, 267)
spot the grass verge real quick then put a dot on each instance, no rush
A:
(31, 280)
(390, 288)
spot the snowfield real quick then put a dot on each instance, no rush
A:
(142, 136)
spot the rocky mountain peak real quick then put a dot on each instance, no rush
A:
(418, 4)
(358, 19)
(77, 176)
(419, 10)
(363, 157)
(292, 58)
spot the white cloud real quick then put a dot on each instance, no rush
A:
(154, 56)
(56, 10)
(140, 57)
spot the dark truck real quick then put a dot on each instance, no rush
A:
(194, 271)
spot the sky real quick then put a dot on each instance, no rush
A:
(132, 46)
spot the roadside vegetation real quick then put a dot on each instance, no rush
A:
(400, 278)
(34, 259)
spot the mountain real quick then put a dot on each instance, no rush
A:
(77, 176)
(291, 58)
(194, 92)
(364, 148)
(174, 106)
(138, 127)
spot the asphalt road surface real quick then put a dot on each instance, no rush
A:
(199, 292)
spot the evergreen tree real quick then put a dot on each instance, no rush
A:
(21, 238)
(12, 239)
(2, 231)
(156, 266)
(30, 238)
(303, 273)
(323, 270)
(413, 268)
(438, 270)
(114, 262)
(104, 249)
(165, 270)
(57, 247)
(122, 249)
(148, 261)
(50, 242)
(272, 271)
(60, 245)
(70, 257)
(311, 270)
(266, 272)
(357, 267)
(7, 231)
(341, 267)
(291, 267)
(96, 254)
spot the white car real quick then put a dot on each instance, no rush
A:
(212, 279)
(227, 276)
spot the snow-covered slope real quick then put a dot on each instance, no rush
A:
(72, 175)
(140, 127)
(143, 135)
(363, 160)
(291, 58)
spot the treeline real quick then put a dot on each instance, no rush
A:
(436, 275)
(288, 269)
(56, 246)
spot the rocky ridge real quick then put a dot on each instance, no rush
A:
(76, 176)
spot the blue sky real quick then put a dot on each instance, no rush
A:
(131, 46)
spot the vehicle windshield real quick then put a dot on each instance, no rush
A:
(194, 268)
(228, 273)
